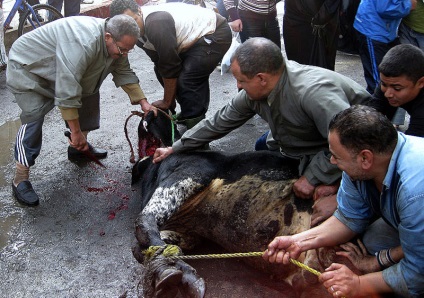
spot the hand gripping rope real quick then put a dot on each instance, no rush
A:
(174, 252)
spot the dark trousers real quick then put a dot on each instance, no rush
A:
(306, 47)
(72, 7)
(371, 53)
(253, 27)
(193, 94)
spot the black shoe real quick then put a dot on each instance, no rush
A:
(74, 154)
(25, 194)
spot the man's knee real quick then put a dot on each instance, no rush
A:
(380, 235)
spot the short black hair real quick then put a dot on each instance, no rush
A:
(119, 6)
(361, 127)
(403, 60)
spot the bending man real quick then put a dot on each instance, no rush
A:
(186, 42)
(298, 102)
(63, 64)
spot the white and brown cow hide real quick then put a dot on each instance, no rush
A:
(240, 201)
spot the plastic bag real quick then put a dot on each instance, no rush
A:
(225, 63)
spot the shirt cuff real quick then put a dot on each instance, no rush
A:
(134, 92)
(69, 113)
(177, 146)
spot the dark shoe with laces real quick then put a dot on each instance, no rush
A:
(25, 194)
(74, 154)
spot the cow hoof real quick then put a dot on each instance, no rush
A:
(192, 285)
(193, 288)
(167, 283)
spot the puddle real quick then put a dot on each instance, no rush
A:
(8, 226)
(7, 140)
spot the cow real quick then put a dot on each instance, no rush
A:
(240, 201)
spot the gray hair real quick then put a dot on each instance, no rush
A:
(257, 55)
(122, 25)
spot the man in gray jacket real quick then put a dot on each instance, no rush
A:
(63, 64)
(298, 101)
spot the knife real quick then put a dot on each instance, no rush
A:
(86, 153)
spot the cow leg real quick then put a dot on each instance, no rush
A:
(147, 231)
(162, 278)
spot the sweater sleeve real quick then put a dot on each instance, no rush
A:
(230, 117)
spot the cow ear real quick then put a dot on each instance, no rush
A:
(139, 168)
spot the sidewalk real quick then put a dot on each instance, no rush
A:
(100, 9)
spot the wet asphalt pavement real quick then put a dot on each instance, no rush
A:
(77, 242)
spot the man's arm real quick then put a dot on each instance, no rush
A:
(329, 233)
(225, 120)
(169, 94)
(395, 9)
(161, 33)
(136, 95)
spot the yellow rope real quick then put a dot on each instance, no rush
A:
(174, 252)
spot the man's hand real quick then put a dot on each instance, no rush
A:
(303, 189)
(78, 141)
(77, 138)
(161, 154)
(323, 208)
(281, 249)
(146, 107)
(359, 257)
(236, 26)
(163, 105)
(340, 281)
(325, 191)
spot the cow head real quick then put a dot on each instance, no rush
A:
(153, 132)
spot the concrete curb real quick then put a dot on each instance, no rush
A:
(98, 11)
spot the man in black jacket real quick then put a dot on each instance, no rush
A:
(402, 82)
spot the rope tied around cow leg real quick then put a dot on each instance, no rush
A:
(174, 252)
(168, 250)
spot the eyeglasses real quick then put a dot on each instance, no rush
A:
(122, 52)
